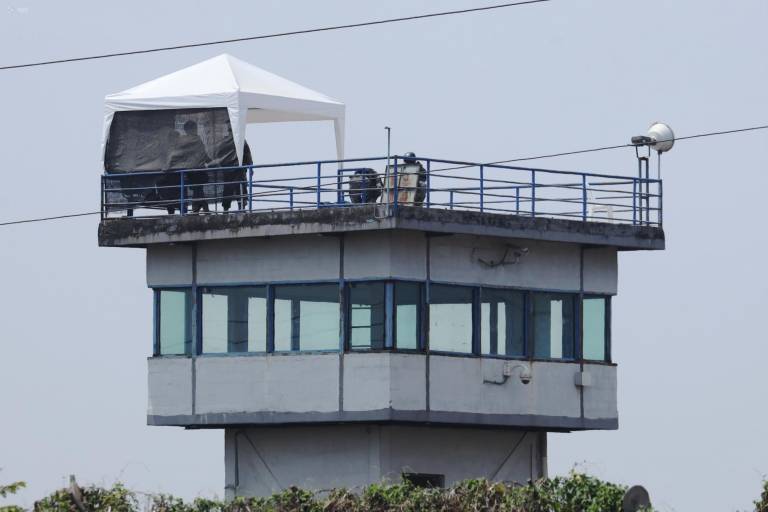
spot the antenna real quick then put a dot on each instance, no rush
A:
(386, 169)
(660, 138)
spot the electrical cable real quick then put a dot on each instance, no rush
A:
(604, 148)
(276, 35)
(551, 155)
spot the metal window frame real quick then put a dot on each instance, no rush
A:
(607, 341)
(157, 320)
(199, 314)
(575, 328)
(390, 341)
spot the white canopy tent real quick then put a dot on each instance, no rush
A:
(250, 95)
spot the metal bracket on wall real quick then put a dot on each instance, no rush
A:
(493, 258)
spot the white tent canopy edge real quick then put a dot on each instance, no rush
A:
(250, 95)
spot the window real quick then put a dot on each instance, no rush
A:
(502, 322)
(234, 319)
(425, 480)
(553, 326)
(407, 316)
(450, 318)
(174, 322)
(367, 317)
(595, 328)
(307, 317)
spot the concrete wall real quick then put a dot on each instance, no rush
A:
(261, 461)
(383, 255)
(169, 265)
(379, 387)
(261, 260)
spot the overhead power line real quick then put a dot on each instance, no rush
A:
(41, 219)
(606, 148)
(277, 34)
(521, 159)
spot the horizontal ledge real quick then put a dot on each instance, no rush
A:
(218, 420)
(141, 232)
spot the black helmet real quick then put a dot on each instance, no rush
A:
(409, 158)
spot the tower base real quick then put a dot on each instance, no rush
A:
(260, 461)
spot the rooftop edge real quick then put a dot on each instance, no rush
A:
(142, 232)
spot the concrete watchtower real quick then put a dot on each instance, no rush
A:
(437, 330)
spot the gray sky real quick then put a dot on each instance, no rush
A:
(689, 323)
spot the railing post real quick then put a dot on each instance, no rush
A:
(182, 204)
(482, 187)
(290, 197)
(584, 197)
(517, 200)
(661, 205)
(319, 165)
(396, 184)
(533, 193)
(339, 193)
(103, 195)
(634, 201)
(429, 182)
(451, 199)
(250, 189)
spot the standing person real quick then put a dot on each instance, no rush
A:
(235, 181)
(190, 154)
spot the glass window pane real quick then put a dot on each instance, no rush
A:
(450, 318)
(553, 327)
(234, 319)
(593, 327)
(502, 315)
(366, 315)
(175, 317)
(307, 317)
(407, 315)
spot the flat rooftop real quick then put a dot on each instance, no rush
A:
(145, 231)
(380, 193)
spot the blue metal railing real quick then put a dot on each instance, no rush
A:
(424, 182)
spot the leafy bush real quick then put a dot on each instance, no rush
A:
(762, 504)
(575, 493)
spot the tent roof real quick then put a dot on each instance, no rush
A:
(251, 95)
(216, 77)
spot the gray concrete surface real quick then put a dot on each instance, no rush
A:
(142, 232)
(261, 461)
(384, 255)
(381, 387)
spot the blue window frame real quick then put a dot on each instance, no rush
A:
(173, 309)
(553, 325)
(502, 322)
(383, 315)
(233, 319)
(595, 328)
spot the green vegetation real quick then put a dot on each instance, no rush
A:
(575, 493)
(761, 505)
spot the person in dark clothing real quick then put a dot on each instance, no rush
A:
(236, 185)
(190, 153)
(169, 184)
(234, 179)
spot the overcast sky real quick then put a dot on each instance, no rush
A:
(689, 326)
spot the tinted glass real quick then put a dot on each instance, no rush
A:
(234, 319)
(307, 317)
(553, 326)
(594, 323)
(175, 322)
(450, 318)
(366, 315)
(407, 315)
(502, 326)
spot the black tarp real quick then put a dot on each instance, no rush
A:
(162, 141)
